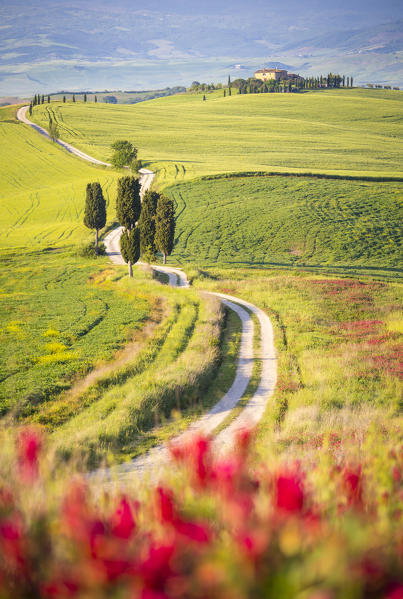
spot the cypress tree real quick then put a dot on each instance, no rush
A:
(74, 98)
(204, 98)
(128, 209)
(351, 82)
(30, 108)
(43, 99)
(53, 130)
(229, 85)
(128, 203)
(165, 226)
(130, 247)
(224, 94)
(48, 99)
(147, 225)
(85, 97)
(95, 209)
(64, 99)
(95, 99)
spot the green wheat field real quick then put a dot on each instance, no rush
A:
(347, 132)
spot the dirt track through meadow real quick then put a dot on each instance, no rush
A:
(250, 415)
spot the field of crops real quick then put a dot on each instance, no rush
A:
(42, 189)
(348, 132)
(294, 221)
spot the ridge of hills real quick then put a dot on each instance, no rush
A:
(129, 47)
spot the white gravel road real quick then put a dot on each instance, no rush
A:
(22, 116)
(255, 408)
(154, 459)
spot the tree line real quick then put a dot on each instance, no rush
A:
(148, 225)
(257, 86)
(40, 99)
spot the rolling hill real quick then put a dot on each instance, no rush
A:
(345, 132)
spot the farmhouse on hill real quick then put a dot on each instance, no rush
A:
(277, 74)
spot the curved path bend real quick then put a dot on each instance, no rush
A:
(255, 408)
(159, 456)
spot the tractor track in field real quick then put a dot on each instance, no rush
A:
(253, 411)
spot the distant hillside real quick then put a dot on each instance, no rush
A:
(119, 97)
(126, 46)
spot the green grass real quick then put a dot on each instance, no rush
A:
(175, 379)
(347, 132)
(295, 221)
(42, 189)
(63, 318)
(57, 323)
(339, 352)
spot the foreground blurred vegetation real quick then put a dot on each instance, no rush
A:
(327, 524)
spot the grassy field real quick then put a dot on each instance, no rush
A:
(275, 221)
(170, 374)
(42, 189)
(81, 344)
(339, 344)
(348, 132)
(295, 221)
(56, 324)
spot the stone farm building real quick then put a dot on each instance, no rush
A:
(277, 74)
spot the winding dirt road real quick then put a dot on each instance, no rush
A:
(22, 116)
(159, 456)
(254, 410)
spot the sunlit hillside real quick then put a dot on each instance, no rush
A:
(345, 132)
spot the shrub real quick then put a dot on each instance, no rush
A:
(88, 250)
(136, 165)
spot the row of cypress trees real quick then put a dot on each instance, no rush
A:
(148, 225)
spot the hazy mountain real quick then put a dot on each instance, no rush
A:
(48, 45)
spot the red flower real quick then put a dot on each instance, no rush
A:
(11, 541)
(200, 453)
(29, 444)
(289, 493)
(194, 532)
(352, 482)
(396, 592)
(169, 515)
(122, 521)
(165, 505)
(156, 568)
(60, 588)
(244, 438)
(197, 454)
